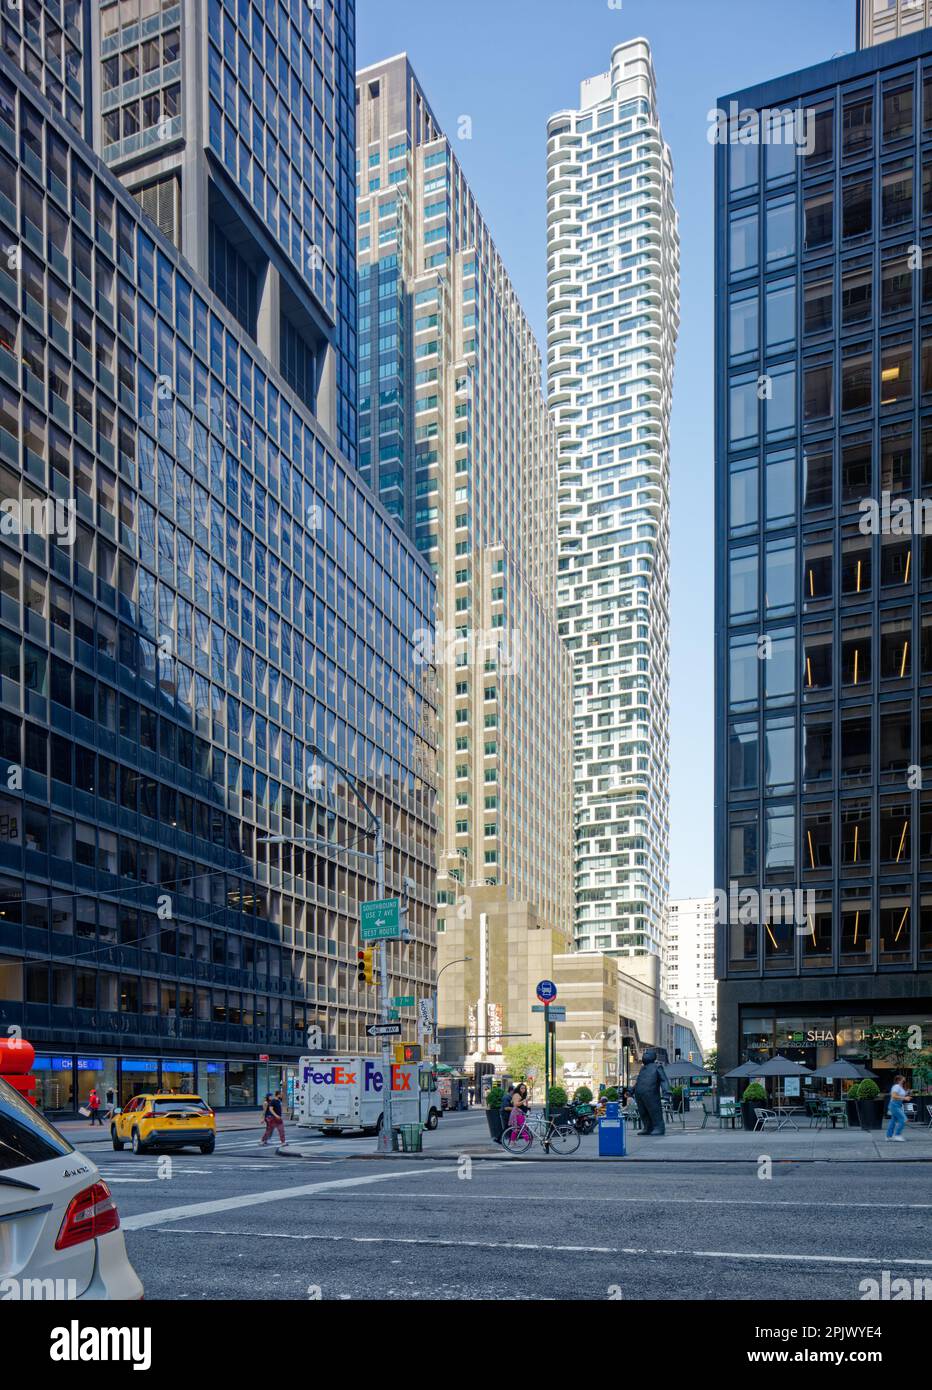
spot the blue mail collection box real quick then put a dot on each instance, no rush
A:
(612, 1132)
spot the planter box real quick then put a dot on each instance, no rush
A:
(496, 1123)
(747, 1111)
(870, 1113)
(854, 1118)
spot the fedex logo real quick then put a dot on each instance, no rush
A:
(374, 1080)
(336, 1076)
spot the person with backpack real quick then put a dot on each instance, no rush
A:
(272, 1116)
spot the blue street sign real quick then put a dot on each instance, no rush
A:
(546, 991)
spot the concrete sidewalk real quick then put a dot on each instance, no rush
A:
(706, 1146)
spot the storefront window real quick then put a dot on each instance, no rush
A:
(756, 1038)
(99, 1072)
(242, 1087)
(178, 1076)
(54, 1083)
(138, 1075)
(212, 1083)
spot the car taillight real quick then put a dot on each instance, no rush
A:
(90, 1214)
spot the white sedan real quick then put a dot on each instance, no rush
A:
(60, 1234)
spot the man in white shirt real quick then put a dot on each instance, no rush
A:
(898, 1097)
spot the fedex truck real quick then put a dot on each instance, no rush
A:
(333, 1094)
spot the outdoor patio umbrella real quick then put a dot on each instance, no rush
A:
(681, 1071)
(745, 1070)
(841, 1070)
(742, 1073)
(781, 1066)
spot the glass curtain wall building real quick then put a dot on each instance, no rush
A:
(200, 605)
(253, 183)
(613, 305)
(823, 605)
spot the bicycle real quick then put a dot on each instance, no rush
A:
(562, 1138)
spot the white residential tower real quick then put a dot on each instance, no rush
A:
(613, 300)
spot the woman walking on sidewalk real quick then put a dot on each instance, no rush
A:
(899, 1095)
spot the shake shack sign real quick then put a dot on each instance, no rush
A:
(805, 1037)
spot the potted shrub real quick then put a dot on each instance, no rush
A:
(493, 1114)
(870, 1104)
(851, 1104)
(610, 1093)
(582, 1096)
(557, 1099)
(753, 1098)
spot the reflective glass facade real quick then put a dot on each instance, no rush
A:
(265, 160)
(824, 618)
(47, 40)
(198, 592)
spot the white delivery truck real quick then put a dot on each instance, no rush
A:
(337, 1093)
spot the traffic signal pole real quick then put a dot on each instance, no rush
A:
(386, 1134)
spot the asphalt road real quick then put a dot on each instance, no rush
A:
(248, 1223)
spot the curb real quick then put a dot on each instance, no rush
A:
(649, 1162)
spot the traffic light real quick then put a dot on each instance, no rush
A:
(365, 974)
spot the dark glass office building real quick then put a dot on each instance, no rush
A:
(202, 610)
(824, 609)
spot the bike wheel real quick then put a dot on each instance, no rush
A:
(517, 1141)
(563, 1140)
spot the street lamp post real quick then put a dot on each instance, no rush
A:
(386, 1134)
(436, 1002)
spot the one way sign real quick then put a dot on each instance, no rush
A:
(383, 1030)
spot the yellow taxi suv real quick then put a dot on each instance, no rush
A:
(164, 1121)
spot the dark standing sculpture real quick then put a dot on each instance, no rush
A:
(650, 1085)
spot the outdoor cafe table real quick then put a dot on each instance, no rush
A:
(786, 1116)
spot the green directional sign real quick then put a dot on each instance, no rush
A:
(403, 1001)
(381, 920)
(393, 1013)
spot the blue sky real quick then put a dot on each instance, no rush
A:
(508, 64)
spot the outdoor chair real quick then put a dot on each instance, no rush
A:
(762, 1118)
(836, 1113)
